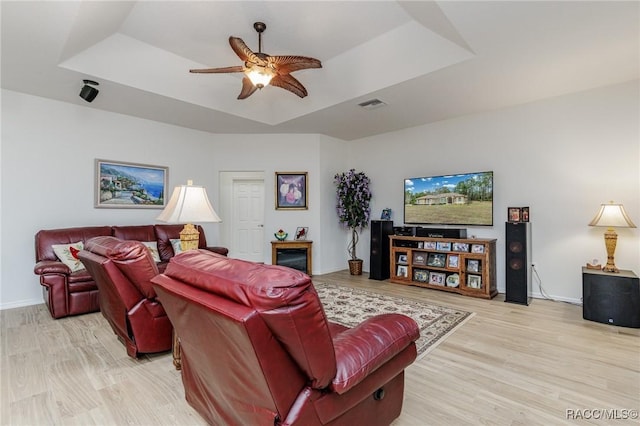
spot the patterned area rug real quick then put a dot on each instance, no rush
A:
(350, 306)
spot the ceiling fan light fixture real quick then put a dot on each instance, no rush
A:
(260, 76)
(261, 70)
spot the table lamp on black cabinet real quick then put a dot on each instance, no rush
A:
(611, 215)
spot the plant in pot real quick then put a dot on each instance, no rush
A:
(353, 210)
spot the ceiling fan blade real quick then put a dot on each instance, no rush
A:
(243, 51)
(236, 68)
(289, 64)
(289, 83)
(247, 88)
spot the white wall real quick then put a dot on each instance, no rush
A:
(274, 153)
(334, 238)
(47, 173)
(563, 157)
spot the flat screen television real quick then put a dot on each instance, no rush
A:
(460, 199)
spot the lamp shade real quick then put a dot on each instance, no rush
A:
(612, 215)
(188, 204)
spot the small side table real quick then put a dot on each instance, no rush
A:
(295, 254)
(611, 298)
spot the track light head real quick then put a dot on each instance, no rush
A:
(89, 93)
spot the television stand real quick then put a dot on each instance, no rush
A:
(456, 265)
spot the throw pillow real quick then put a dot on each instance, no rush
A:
(68, 254)
(177, 247)
(153, 248)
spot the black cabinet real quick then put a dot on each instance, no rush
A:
(611, 298)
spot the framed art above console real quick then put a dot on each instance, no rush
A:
(120, 185)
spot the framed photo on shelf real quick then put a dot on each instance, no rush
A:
(402, 258)
(436, 259)
(120, 185)
(443, 246)
(430, 245)
(453, 280)
(437, 278)
(460, 247)
(524, 214)
(386, 214)
(403, 271)
(453, 261)
(474, 281)
(291, 191)
(513, 214)
(420, 275)
(473, 265)
(419, 258)
(477, 248)
(301, 233)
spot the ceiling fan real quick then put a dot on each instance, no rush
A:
(261, 69)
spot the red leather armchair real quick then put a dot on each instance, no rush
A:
(122, 271)
(257, 348)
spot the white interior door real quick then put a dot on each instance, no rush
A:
(243, 229)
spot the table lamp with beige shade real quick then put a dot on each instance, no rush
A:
(611, 215)
(189, 204)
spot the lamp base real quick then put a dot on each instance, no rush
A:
(189, 237)
(610, 241)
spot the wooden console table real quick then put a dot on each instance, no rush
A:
(294, 254)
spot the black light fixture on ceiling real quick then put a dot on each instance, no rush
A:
(89, 93)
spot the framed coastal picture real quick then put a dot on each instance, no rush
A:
(121, 185)
(291, 191)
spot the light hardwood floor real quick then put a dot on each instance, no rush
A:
(508, 365)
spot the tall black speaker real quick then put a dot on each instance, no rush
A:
(518, 262)
(611, 298)
(379, 258)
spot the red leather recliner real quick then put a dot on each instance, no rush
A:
(122, 271)
(257, 348)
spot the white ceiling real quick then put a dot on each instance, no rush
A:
(427, 61)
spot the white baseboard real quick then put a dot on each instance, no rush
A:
(20, 304)
(571, 300)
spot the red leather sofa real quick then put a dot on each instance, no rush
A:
(122, 270)
(257, 348)
(73, 293)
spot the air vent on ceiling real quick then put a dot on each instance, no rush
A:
(372, 104)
